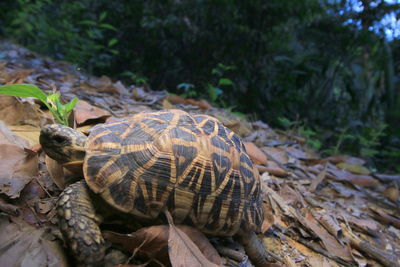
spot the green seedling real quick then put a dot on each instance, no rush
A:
(52, 101)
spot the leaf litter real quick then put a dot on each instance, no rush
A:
(331, 211)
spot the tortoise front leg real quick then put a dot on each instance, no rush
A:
(77, 221)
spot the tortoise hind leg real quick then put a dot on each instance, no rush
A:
(77, 221)
(254, 248)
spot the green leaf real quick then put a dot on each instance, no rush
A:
(108, 26)
(88, 22)
(69, 106)
(112, 42)
(224, 81)
(23, 90)
(216, 71)
(103, 15)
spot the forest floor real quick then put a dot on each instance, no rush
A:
(331, 211)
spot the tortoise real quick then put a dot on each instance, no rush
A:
(190, 165)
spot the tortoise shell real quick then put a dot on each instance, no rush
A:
(191, 165)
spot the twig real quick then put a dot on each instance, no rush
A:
(322, 251)
(383, 257)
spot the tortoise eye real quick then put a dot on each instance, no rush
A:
(60, 139)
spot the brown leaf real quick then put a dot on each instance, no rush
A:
(15, 112)
(23, 245)
(167, 105)
(274, 169)
(296, 153)
(354, 168)
(17, 169)
(152, 242)
(176, 99)
(392, 193)
(365, 224)
(255, 153)
(28, 132)
(276, 153)
(103, 84)
(330, 223)
(381, 216)
(291, 196)
(84, 111)
(8, 137)
(330, 243)
(335, 159)
(318, 180)
(343, 175)
(183, 252)
(387, 177)
(17, 76)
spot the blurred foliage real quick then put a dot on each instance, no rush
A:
(323, 63)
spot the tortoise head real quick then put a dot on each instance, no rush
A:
(62, 143)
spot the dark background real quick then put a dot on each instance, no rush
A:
(328, 69)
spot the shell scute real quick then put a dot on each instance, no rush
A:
(191, 165)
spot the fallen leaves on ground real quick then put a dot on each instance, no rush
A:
(84, 112)
(319, 211)
(18, 164)
(16, 112)
(155, 243)
(24, 245)
(175, 100)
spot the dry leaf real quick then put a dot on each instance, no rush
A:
(17, 76)
(392, 193)
(17, 169)
(318, 180)
(365, 224)
(274, 169)
(23, 245)
(103, 84)
(343, 175)
(335, 159)
(175, 99)
(183, 252)
(276, 153)
(167, 105)
(330, 243)
(354, 168)
(152, 242)
(84, 111)
(387, 177)
(296, 153)
(28, 132)
(8, 137)
(15, 112)
(181, 249)
(255, 153)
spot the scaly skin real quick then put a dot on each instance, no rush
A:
(254, 248)
(77, 221)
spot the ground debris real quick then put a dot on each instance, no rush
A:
(331, 211)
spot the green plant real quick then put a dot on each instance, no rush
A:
(188, 90)
(136, 78)
(370, 139)
(286, 123)
(52, 101)
(311, 137)
(75, 31)
(215, 90)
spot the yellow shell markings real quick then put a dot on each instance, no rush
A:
(156, 165)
